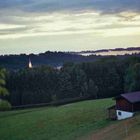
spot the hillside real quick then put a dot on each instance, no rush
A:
(78, 121)
(122, 130)
(66, 122)
(56, 59)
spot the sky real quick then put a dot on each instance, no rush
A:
(34, 26)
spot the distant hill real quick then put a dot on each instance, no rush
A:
(56, 59)
(116, 49)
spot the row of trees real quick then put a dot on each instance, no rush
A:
(104, 78)
(4, 105)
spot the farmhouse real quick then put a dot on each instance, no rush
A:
(126, 106)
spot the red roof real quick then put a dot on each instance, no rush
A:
(133, 97)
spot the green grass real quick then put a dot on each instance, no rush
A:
(67, 122)
(128, 129)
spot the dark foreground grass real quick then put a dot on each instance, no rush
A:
(67, 122)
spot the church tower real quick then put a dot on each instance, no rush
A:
(30, 64)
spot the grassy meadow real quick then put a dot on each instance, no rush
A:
(128, 129)
(86, 120)
(67, 122)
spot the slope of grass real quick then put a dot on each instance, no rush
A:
(128, 129)
(66, 122)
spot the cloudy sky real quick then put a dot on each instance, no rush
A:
(34, 26)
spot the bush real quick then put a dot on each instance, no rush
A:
(4, 105)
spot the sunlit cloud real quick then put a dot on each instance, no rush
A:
(100, 18)
(10, 26)
(71, 23)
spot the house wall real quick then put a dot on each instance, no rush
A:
(123, 114)
(123, 104)
(112, 114)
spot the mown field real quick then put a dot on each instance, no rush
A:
(67, 122)
(128, 129)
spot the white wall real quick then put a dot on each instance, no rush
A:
(123, 114)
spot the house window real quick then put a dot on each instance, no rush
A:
(119, 113)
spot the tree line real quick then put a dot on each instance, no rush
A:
(16, 62)
(54, 59)
(103, 78)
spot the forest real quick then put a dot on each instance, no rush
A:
(53, 59)
(103, 78)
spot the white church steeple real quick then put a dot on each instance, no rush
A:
(30, 64)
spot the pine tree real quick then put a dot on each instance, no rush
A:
(132, 78)
(3, 90)
(92, 89)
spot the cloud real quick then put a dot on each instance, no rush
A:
(72, 23)
(25, 18)
(57, 5)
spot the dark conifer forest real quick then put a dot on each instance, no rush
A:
(101, 78)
